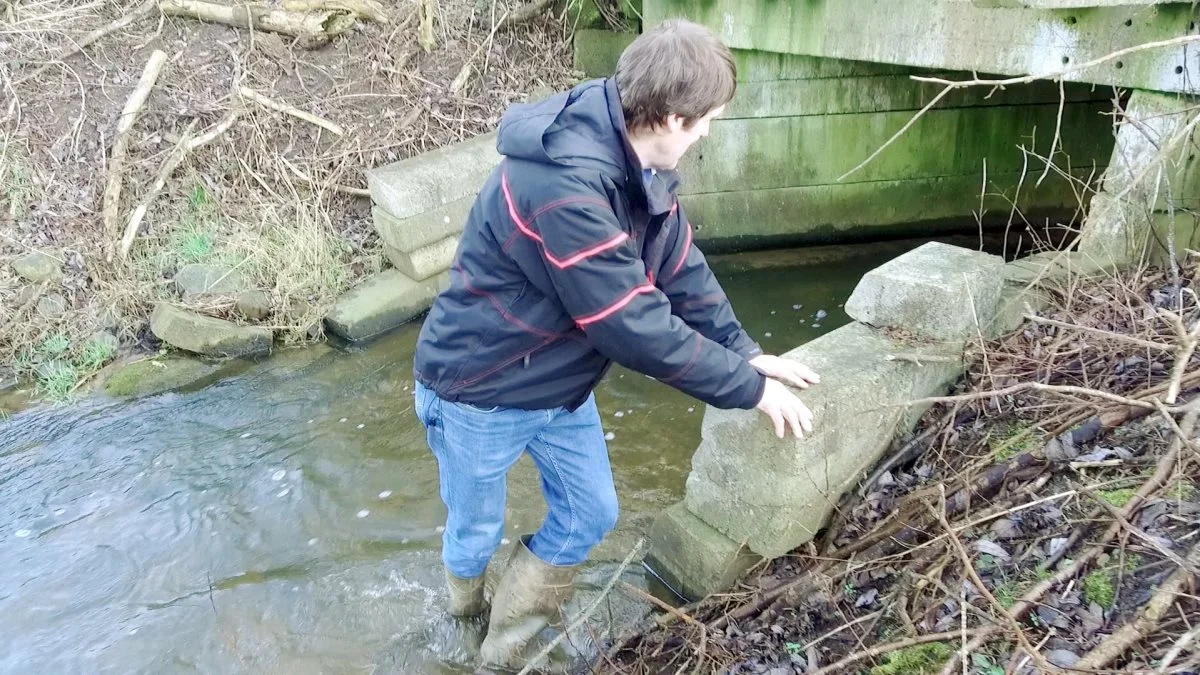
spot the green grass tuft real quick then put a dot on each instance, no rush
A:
(1117, 498)
(57, 381)
(96, 354)
(55, 344)
(915, 660)
(1100, 587)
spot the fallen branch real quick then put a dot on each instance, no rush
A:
(291, 110)
(682, 616)
(1096, 331)
(1036, 386)
(319, 23)
(1183, 352)
(526, 13)
(587, 611)
(1147, 620)
(185, 145)
(140, 11)
(116, 166)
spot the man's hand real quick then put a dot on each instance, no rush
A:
(796, 374)
(784, 408)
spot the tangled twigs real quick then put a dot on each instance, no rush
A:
(1147, 620)
(1185, 347)
(1166, 464)
(1036, 386)
(969, 568)
(681, 615)
(78, 46)
(286, 109)
(881, 650)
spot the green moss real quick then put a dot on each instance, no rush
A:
(914, 660)
(1100, 587)
(1014, 439)
(1117, 498)
(151, 376)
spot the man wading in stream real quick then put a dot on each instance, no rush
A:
(577, 254)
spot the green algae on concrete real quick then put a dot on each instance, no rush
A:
(759, 154)
(827, 213)
(597, 51)
(152, 376)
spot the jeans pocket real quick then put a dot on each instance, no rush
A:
(474, 408)
(424, 401)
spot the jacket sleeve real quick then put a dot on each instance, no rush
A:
(601, 281)
(697, 297)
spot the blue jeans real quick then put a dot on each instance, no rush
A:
(475, 448)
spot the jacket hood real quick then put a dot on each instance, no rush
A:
(574, 128)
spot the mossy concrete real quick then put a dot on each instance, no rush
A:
(853, 211)
(691, 557)
(151, 376)
(597, 51)
(381, 303)
(958, 35)
(760, 154)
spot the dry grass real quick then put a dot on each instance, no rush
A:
(270, 194)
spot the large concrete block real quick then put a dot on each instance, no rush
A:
(381, 303)
(937, 290)
(423, 229)
(774, 494)
(433, 179)
(426, 261)
(693, 558)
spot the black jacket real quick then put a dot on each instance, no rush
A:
(568, 262)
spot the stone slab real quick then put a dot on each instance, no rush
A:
(1053, 268)
(37, 267)
(958, 35)
(423, 229)
(597, 51)
(759, 154)
(691, 557)
(203, 279)
(936, 290)
(426, 261)
(381, 303)
(433, 179)
(774, 494)
(206, 335)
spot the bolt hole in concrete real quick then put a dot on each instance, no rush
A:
(1071, 20)
(285, 518)
(1192, 27)
(1120, 65)
(1128, 22)
(1066, 60)
(1178, 70)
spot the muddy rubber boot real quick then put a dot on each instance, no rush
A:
(528, 599)
(466, 596)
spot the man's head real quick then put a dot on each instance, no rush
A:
(674, 79)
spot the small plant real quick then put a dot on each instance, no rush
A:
(18, 191)
(1007, 593)
(915, 660)
(57, 380)
(55, 344)
(1100, 587)
(986, 664)
(96, 354)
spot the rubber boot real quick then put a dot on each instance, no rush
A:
(528, 599)
(466, 596)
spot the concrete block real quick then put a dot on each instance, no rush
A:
(1015, 302)
(958, 35)
(423, 229)
(206, 335)
(937, 290)
(1115, 231)
(691, 557)
(597, 51)
(774, 494)
(381, 303)
(433, 179)
(1053, 268)
(758, 154)
(426, 261)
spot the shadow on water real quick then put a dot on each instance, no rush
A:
(287, 520)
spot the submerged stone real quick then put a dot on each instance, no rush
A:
(205, 335)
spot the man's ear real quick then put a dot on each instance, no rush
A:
(675, 123)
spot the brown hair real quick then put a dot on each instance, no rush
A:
(676, 67)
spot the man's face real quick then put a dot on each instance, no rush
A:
(675, 137)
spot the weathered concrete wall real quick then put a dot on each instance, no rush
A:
(993, 36)
(769, 173)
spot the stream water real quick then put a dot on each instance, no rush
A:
(285, 519)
